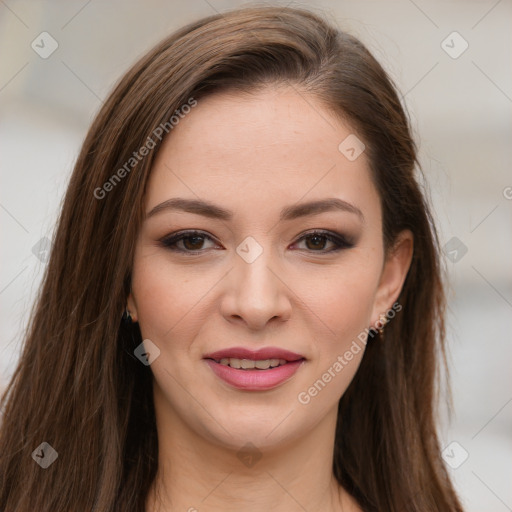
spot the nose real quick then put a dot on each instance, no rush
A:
(255, 293)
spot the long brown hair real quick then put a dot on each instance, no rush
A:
(78, 385)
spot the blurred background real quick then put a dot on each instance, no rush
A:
(452, 62)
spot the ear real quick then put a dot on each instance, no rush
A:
(393, 274)
(132, 308)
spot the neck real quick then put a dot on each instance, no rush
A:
(197, 474)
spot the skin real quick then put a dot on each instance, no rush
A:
(255, 154)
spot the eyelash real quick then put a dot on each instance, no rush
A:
(337, 239)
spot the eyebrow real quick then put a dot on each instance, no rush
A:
(291, 212)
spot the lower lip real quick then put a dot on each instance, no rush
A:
(255, 380)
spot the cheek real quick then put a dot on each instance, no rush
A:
(341, 306)
(163, 296)
(342, 301)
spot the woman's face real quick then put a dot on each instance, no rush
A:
(255, 276)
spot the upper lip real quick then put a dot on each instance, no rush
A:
(254, 355)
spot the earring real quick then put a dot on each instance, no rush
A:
(127, 318)
(383, 321)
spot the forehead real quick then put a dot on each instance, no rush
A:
(273, 146)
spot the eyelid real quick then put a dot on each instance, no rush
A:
(339, 240)
(169, 240)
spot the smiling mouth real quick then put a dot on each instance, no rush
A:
(249, 364)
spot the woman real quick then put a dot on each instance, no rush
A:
(242, 222)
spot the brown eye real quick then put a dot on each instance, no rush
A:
(316, 241)
(191, 241)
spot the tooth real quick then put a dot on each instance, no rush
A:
(234, 363)
(248, 364)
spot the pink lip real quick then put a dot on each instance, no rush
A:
(255, 379)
